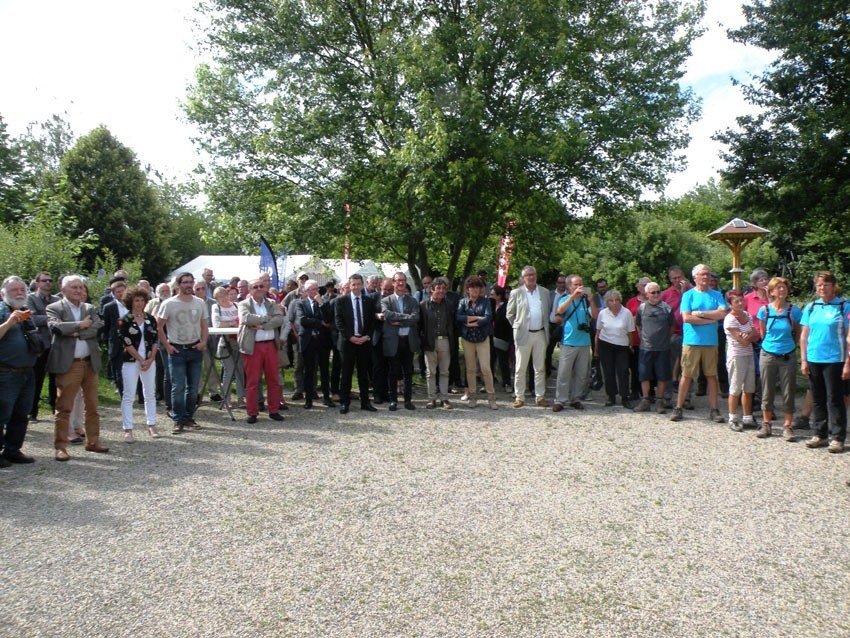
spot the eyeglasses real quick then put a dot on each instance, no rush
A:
(257, 287)
(653, 292)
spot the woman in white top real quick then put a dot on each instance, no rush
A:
(614, 328)
(225, 314)
(740, 360)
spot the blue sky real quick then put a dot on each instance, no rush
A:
(127, 65)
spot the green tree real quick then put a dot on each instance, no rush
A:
(13, 196)
(103, 190)
(439, 120)
(35, 245)
(789, 163)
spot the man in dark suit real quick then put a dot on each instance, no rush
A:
(75, 360)
(400, 314)
(380, 365)
(312, 316)
(354, 317)
(108, 334)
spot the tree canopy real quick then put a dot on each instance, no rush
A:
(103, 189)
(790, 163)
(439, 120)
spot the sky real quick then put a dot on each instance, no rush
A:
(127, 65)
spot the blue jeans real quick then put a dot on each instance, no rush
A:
(16, 396)
(185, 368)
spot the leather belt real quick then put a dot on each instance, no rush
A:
(184, 346)
(82, 358)
(17, 370)
(538, 330)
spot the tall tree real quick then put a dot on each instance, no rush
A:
(13, 194)
(790, 163)
(441, 119)
(103, 190)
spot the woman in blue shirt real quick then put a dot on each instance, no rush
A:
(779, 326)
(823, 352)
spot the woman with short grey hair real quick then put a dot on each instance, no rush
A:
(614, 328)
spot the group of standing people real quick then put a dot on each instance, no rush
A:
(642, 347)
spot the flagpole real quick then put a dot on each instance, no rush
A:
(347, 247)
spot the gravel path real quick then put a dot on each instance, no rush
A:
(433, 523)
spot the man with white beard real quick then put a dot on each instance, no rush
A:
(17, 379)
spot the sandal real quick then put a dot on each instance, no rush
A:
(153, 432)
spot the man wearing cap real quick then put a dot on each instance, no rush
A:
(75, 360)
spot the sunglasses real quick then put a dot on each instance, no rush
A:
(47, 281)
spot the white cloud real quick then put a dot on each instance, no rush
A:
(123, 65)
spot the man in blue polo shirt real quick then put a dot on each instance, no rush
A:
(576, 310)
(701, 308)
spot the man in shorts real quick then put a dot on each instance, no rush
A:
(701, 309)
(656, 323)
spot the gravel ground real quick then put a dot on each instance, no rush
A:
(433, 523)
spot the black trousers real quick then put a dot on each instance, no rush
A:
(310, 357)
(401, 366)
(615, 369)
(380, 374)
(40, 371)
(360, 357)
(829, 416)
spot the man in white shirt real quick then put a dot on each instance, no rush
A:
(528, 313)
(75, 360)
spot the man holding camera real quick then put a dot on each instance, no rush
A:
(577, 309)
(16, 370)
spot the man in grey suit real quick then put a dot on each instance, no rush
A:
(400, 339)
(75, 360)
(528, 313)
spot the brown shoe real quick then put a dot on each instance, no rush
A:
(518, 403)
(96, 447)
(62, 455)
(557, 407)
(542, 403)
(764, 431)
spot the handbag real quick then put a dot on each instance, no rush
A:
(596, 380)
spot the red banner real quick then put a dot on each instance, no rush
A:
(506, 249)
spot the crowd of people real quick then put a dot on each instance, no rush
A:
(170, 343)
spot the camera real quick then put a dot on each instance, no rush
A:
(585, 327)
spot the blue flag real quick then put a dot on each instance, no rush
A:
(268, 263)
